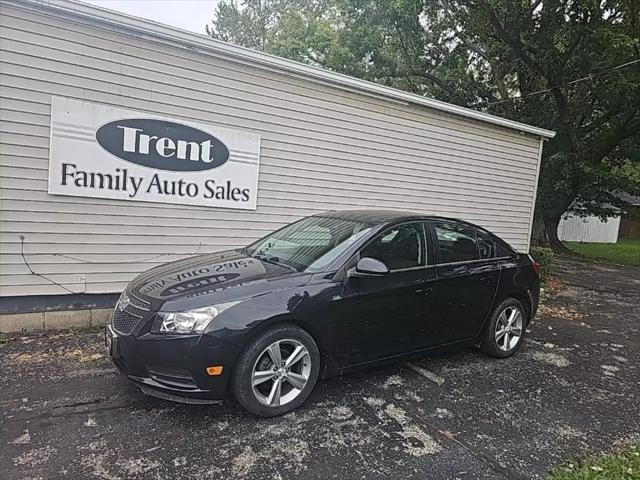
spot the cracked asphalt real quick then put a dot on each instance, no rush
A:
(571, 389)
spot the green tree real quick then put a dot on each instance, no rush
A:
(546, 45)
(482, 54)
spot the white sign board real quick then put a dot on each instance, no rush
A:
(107, 152)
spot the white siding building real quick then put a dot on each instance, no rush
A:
(326, 142)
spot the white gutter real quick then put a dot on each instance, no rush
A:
(147, 29)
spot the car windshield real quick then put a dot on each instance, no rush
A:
(310, 244)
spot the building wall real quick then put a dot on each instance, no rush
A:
(323, 147)
(588, 230)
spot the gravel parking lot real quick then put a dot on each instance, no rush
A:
(572, 388)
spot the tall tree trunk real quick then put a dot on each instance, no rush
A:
(551, 222)
(538, 236)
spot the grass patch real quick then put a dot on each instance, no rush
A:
(625, 252)
(4, 338)
(623, 465)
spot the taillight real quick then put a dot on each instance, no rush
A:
(536, 267)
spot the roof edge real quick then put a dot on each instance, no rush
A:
(184, 39)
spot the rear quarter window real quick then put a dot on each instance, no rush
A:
(502, 251)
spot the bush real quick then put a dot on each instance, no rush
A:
(544, 256)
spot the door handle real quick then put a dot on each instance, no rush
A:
(423, 291)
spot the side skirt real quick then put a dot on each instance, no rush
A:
(416, 354)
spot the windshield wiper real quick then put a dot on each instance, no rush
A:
(273, 260)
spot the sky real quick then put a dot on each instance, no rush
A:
(190, 15)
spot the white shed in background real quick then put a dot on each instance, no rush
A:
(588, 229)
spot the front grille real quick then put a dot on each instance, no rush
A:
(138, 302)
(125, 320)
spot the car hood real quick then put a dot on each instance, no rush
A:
(211, 279)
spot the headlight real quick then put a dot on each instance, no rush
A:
(123, 301)
(192, 321)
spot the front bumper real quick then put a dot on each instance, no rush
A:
(173, 367)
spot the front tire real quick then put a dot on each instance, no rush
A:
(277, 371)
(505, 329)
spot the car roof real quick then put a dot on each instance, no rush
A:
(373, 216)
(391, 216)
(386, 216)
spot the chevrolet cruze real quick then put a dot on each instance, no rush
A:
(326, 295)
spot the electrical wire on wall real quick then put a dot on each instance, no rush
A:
(137, 260)
(78, 259)
(24, 259)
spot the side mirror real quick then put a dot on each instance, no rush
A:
(371, 266)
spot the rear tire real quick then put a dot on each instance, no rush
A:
(277, 371)
(505, 329)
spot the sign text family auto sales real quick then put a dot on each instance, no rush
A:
(107, 152)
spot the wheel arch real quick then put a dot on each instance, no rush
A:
(283, 320)
(523, 299)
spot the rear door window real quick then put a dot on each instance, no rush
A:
(486, 247)
(456, 243)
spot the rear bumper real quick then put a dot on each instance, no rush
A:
(174, 367)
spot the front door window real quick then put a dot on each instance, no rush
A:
(399, 247)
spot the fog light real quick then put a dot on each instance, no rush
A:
(215, 370)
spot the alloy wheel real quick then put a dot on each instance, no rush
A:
(281, 372)
(509, 328)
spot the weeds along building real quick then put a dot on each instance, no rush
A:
(125, 144)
